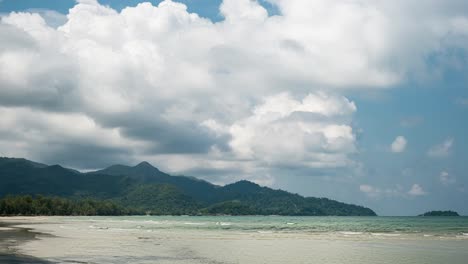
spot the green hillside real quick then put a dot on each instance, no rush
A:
(144, 188)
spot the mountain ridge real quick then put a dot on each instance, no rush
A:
(145, 187)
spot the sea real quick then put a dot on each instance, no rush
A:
(248, 239)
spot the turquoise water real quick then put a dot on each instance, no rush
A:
(424, 226)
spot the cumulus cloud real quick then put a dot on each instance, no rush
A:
(52, 18)
(416, 190)
(69, 139)
(446, 179)
(250, 92)
(399, 144)
(281, 131)
(441, 150)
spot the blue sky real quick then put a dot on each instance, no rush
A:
(205, 8)
(199, 111)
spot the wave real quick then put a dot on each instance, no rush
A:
(223, 224)
(194, 223)
(386, 234)
(351, 233)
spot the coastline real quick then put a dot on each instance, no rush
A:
(12, 237)
(190, 240)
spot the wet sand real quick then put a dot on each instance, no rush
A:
(12, 237)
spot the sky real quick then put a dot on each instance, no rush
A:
(361, 101)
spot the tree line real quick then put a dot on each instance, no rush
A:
(28, 205)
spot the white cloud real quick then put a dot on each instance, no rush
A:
(52, 18)
(441, 150)
(235, 11)
(445, 178)
(399, 144)
(376, 192)
(416, 190)
(397, 191)
(370, 190)
(69, 139)
(166, 77)
(282, 131)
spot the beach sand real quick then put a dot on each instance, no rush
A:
(10, 238)
(89, 241)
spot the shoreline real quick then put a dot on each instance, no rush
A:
(12, 236)
(185, 240)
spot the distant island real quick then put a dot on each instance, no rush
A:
(440, 213)
(31, 188)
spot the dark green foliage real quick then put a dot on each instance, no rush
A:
(145, 173)
(266, 201)
(160, 199)
(147, 189)
(229, 208)
(19, 176)
(40, 205)
(440, 213)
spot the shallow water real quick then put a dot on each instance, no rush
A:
(271, 239)
(438, 226)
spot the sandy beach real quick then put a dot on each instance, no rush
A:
(11, 237)
(86, 240)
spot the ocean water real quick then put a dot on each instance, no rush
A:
(250, 239)
(447, 227)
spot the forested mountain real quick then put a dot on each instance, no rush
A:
(145, 188)
(20, 176)
(145, 173)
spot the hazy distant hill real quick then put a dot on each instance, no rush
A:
(440, 213)
(147, 188)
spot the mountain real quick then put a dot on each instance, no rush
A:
(144, 187)
(20, 162)
(440, 213)
(267, 201)
(20, 176)
(145, 173)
